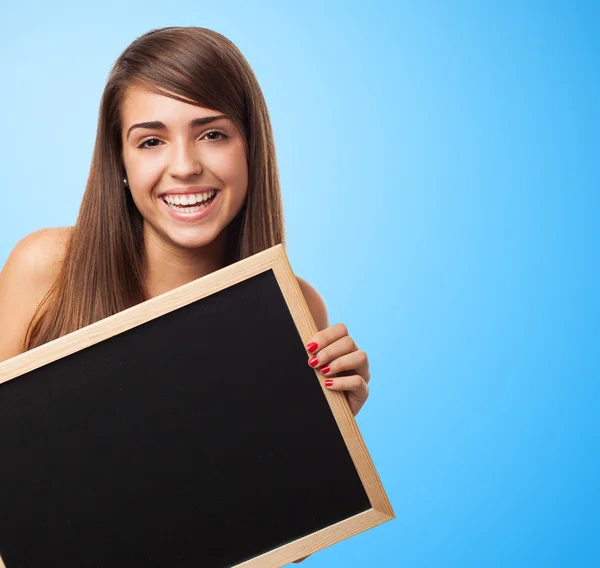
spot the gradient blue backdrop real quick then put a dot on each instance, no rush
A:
(439, 164)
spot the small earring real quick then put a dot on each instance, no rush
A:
(125, 182)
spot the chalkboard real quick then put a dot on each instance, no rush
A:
(187, 431)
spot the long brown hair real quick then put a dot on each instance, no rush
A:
(102, 271)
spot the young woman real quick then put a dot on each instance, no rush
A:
(183, 182)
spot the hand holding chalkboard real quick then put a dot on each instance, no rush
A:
(335, 352)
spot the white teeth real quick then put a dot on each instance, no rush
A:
(189, 199)
(188, 209)
(173, 203)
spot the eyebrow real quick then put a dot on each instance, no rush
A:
(157, 125)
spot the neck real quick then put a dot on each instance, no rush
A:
(167, 266)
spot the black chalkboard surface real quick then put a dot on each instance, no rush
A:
(187, 431)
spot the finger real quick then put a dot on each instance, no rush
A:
(356, 362)
(354, 384)
(326, 337)
(338, 348)
(356, 390)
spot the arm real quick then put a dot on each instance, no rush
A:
(336, 354)
(316, 305)
(26, 277)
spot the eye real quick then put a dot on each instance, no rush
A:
(223, 135)
(143, 146)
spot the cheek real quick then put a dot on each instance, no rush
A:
(230, 166)
(146, 172)
(143, 176)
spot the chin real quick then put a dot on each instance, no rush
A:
(193, 239)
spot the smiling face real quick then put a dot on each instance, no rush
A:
(185, 152)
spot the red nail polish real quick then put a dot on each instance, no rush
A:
(328, 383)
(313, 362)
(325, 370)
(311, 347)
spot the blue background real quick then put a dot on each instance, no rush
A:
(439, 164)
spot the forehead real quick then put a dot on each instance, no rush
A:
(142, 105)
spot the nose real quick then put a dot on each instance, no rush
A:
(184, 160)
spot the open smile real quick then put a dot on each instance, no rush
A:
(190, 207)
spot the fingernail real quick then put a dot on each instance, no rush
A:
(313, 362)
(311, 347)
(325, 370)
(328, 383)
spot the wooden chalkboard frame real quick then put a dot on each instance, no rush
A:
(276, 260)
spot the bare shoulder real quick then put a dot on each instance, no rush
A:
(38, 257)
(26, 277)
(316, 304)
